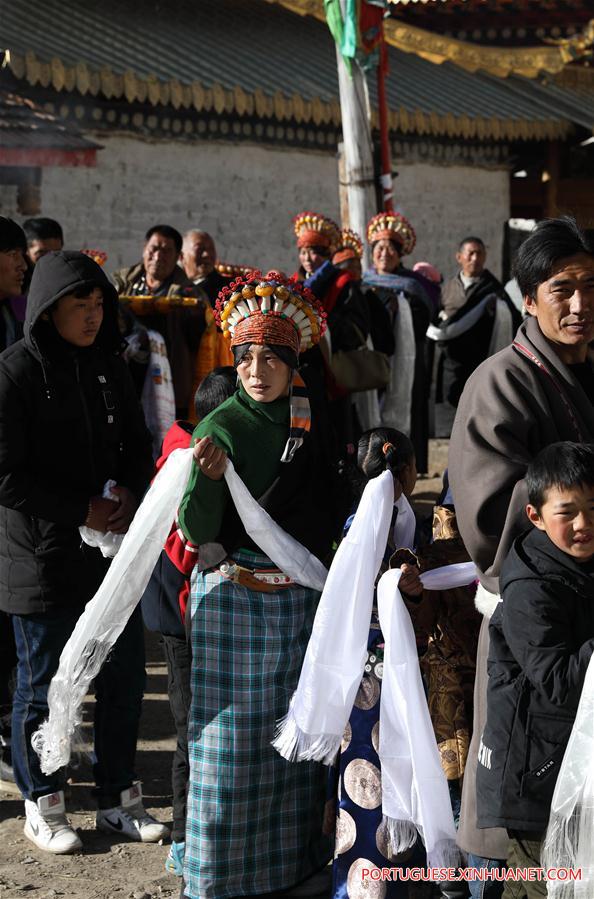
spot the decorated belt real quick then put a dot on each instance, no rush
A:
(266, 580)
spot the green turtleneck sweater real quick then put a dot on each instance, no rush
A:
(254, 436)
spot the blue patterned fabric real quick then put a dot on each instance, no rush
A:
(356, 783)
(254, 820)
(361, 840)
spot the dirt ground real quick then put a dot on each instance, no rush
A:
(109, 868)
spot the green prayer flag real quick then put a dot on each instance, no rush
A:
(345, 31)
(334, 19)
(350, 34)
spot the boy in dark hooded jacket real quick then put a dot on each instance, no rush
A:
(69, 421)
(541, 641)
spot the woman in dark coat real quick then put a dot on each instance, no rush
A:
(405, 294)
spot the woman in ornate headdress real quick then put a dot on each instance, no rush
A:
(254, 820)
(404, 292)
(317, 239)
(330, 266)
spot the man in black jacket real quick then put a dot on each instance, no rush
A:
(541, 641)
(69, 421)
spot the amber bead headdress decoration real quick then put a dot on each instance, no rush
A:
(97, 256)
(315, 230)
(350, 247)
(229, 270)
(270, 309)
(392, 226)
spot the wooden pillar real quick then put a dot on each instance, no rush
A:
(357, 165)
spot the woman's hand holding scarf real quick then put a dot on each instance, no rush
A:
(210, 459)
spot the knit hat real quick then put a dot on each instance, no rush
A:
(392, 226)
(350, 247)
(315, 230)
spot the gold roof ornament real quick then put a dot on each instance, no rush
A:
(503, 121)
(296, 107)
(498, 61)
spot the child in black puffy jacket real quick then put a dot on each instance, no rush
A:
(542, 638)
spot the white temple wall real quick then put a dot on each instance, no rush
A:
(245, 195)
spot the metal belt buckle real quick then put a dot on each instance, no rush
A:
(229, 570)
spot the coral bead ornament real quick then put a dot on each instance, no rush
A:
(270, 309)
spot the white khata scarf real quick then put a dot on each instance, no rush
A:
(107, 614)
(570, 835)
(415, 795)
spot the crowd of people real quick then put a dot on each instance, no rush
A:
(314, 386)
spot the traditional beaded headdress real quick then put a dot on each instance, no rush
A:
(315, 230)
(97, 255)
(350, 247)
(392, 226)
(229, 270)
(270, 309)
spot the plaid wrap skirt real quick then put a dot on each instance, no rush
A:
(254, 820)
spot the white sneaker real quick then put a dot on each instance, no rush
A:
(48, 827)
(130, 819)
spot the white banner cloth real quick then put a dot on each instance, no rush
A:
(413, 783)
(337, 649)
(287, 553)
(396, 404)
(569, 839)
(415, 795)
(107, 613)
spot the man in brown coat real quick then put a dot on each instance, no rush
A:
(537, 391)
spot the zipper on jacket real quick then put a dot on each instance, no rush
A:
(87, 419)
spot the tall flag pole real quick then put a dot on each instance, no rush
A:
(357, 144)
(385, 154)
(357, 28)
